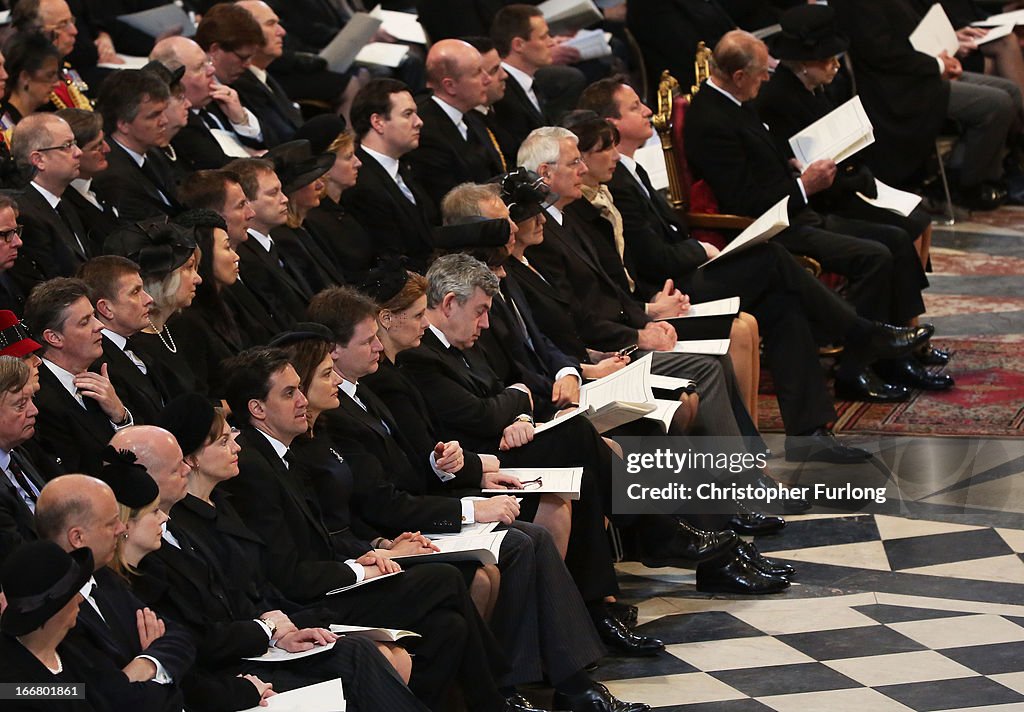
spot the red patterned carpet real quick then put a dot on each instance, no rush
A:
(988, 399)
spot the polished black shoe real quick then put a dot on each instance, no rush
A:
(737, 576)
(888, 341)
(620, 640)
(932, 356)
(518, 703)
(985, 196)
(749, 552)
(596, 699)
(624, 612)
(795, 505)
(822, 446)
(688, 546)
(868, 387)
(753, 523)
(910, 373)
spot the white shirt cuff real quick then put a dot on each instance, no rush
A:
(803, 192)
(441, 474)
(942, 65)
(468, 515)
(569, 371)
(519, 387)
(357, 569)
(127, 424)
(266, 629)
(161, 677)
(251, 127)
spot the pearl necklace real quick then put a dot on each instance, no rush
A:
(160, 333)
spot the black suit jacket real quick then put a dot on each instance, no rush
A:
(398, 227)
(472, 405)
(17, 523)
(444, 159)
(98, 223)
(12, 294)
(277, 506)
(49, 248)
(73, 434)
(196, 147)
(279, 117)
(22, 667)
(341, 237)
(271, 283)
(136, 193)
(516, 115)
(141, 393)
(313, 262)
(552, 310)
(116, 637)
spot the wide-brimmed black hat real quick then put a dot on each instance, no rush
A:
(157, 246)
(302, 331)
(320, 131)
(475, 231)
(170, 76)
(188, 418)
(132, 484)
(39, 578)
(385, 280)
(296, 164)
(525, 193)
(808, 32)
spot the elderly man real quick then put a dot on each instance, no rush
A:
(76, 511)
(54, 19)
(79, 410)
(214, 107)
(455, 146)
(55, 239)
(22, 482)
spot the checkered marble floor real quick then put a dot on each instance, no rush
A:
(887, 613)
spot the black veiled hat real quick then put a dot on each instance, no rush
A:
(188, 418)
(808, 32)
(133, 487)
(39, 578)
(302, 331)
(321, 131)
(296, 164)
(170, 76)
(385, 280)
(157, 246)
(474, 231)
(525, 194)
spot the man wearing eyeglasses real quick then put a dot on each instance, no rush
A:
(12, 297)
(56, 21)
(54, 236)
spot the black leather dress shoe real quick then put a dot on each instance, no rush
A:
(932, 356)
(822, 446)
(518, 703)
(620, 640)
(690, 545)
(888, 341)
(737, 576)
(985, 196)
(868, 387)
(750, 553)
(596, 699)
(624, 612)
(752, 523)
(796, 505)
(910, 373)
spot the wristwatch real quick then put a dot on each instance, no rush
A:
(525, 418)
(270, 624)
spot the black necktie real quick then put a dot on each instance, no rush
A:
(152, 171)
(74, 225)
(211, 121)
(21, 478)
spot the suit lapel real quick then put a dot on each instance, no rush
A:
(91, 418)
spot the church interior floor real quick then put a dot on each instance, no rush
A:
(917, 604)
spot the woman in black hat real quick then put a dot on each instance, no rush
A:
(42, 583)
(138, 503)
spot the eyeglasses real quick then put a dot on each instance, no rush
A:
(243, 58)
(535, 483)
(8, 235)
(66, 146)
(65, 23)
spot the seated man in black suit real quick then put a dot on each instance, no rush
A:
(76, 511)
(455, 146)
(138, 181)
(387, 200)
(98, 217)
(78, 409)
(22, 482)
(214, 107)
(55, 239)
(12, 295)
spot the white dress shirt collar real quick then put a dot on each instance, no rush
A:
(139, 158)
(119, 341)
(260, 74)
(454, 114)
(66, 379)
(711, 83)
(441, 337)
(279, 447)
(556, 214)
(265, 241)
(389, 164)
(47, 195)
(522, 78)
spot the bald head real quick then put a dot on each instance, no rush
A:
(739, 64)
(76, 511)
(157, 451)
(455, 73)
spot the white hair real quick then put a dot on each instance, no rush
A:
(543, 145)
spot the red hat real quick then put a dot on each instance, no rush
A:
(15, 339)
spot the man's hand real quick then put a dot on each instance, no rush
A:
(968, 38)
(449, 456)
(98, 387)
(496, 480)
(229, 102)
(105, 50)
(669, 301)
(150, 627)
(657, 336)
(374, 565)
(264, 688)
(502, 508)
(562, 53)
(139, 670)
(710, 250)
(408, 543)
(283, 623)
(490, 463)
(608, 365)
(305, 639)
(516, 435)
(952, 70)
(818, 176)
(566, 391)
